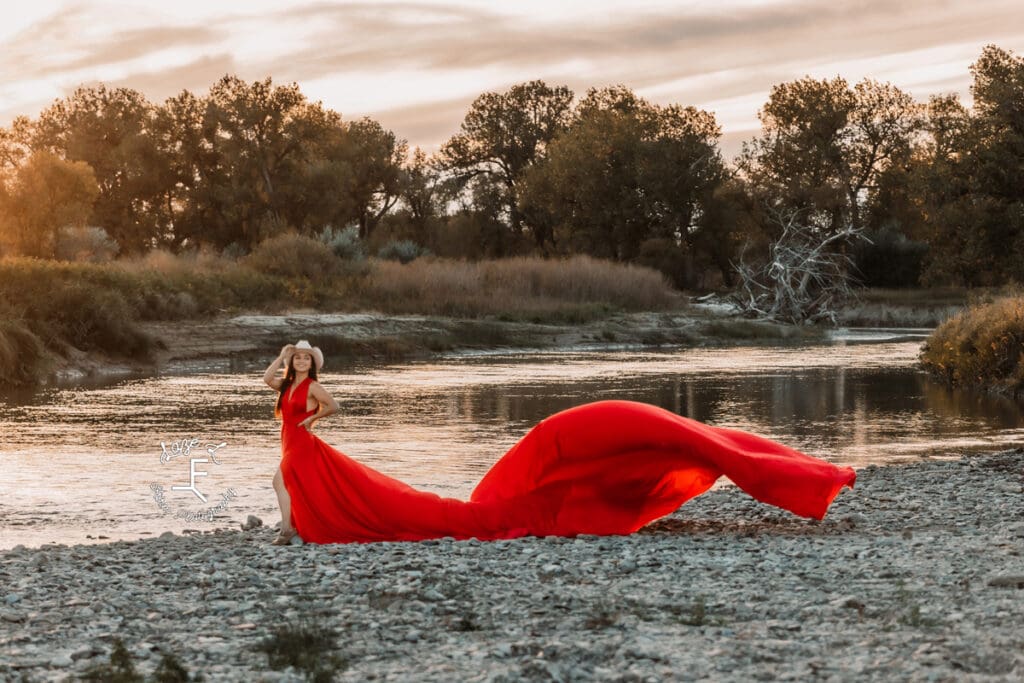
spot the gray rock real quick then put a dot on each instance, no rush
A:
(1007, 581)
(251, 522)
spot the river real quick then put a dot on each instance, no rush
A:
(86, 460)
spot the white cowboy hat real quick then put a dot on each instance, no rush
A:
(303, 345)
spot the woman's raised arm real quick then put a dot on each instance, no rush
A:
(270, 376)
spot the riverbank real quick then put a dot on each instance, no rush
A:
(56, 314)
(347, 337)
(917, 574)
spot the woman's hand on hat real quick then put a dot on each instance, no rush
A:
(286, 349)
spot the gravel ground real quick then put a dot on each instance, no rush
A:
(917, 574)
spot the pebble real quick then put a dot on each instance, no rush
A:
(726, 588)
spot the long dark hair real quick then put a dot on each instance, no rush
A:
(289, 378)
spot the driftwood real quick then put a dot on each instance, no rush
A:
(805, 279)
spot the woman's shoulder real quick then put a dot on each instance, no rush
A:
(316, 386)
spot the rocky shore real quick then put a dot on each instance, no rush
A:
(917, 574)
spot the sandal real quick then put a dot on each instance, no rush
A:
(284, 537)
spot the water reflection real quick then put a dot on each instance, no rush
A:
(80, 460)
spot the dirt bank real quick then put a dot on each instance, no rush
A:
(184, 346)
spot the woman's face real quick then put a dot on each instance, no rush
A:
(302, 361)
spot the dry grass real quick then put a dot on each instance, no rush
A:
(95, 306)
(517, 287)
(982, 346)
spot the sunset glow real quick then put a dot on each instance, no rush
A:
(416, 66)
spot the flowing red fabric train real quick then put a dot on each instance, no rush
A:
(602, 468)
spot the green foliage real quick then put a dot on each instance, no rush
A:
(665, 256)
(110, 132)
(345, 243)
(402, 251)
(626, 172)
(529, 173)
(502, 135)
(970, 181)
(84, 243)
(56, 306)
(171, 670)
(982, 346)
(824, 145)
(91, 318)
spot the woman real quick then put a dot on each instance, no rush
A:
(299, 361)
(608, 467)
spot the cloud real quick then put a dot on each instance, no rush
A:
(432, 59)
(426, 125)
(67, 43)
(196, 76)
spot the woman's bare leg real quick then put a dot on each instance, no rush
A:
(285, 501)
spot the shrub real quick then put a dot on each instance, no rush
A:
(982, 346)
(665, 256)
(889, 260)
(344, 243)
(91, 318)
(234, 251)
(307, 645)
(22, 353)
(293, 255)
(88, 243)
(402, 251)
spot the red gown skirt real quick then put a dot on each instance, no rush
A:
(603, 468)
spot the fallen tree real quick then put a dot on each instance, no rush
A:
(805, 279)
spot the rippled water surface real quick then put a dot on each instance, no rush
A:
(83, 461)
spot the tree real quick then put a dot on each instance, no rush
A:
(502, 135)
(186, 135)
(626, 172)
(586, 192)
(258, 134)
(45, 194)
(804, 280)
(14, 145)
(110, 130)
(968, 178)
(824, 145)
(376, 156)
(422, 195)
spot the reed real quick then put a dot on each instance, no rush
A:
(516, 287)
(982, 346)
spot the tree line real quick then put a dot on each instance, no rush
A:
(937, 187)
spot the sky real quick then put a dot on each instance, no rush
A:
(416, 66)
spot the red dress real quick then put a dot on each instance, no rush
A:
(603, 468)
